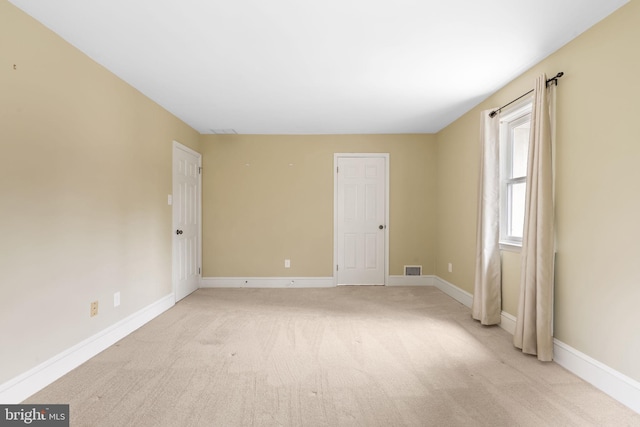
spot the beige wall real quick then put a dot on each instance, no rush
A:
(85, 171)
(597, 203)
(86, 168)
(256, 216)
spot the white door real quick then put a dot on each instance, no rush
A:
(361, 220)
(186, 220)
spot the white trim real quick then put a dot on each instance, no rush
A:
(617, 385)
(510, 247)
(335, 210)
(424, 280)
(267, 282)
(508, 322)
(515, 115)
(453, 291)
(19, 388)
(183, 147)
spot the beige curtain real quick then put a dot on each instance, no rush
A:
(487, 298)
(534, 325)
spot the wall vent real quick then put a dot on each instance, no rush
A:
(413, 270)
(223, 131)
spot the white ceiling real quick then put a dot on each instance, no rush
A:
(307, 67)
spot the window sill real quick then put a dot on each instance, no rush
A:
(510, 247)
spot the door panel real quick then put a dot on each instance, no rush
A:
(186, 218)
(361, 210)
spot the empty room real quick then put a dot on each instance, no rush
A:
(326, 214)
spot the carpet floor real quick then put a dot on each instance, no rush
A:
(346, 356)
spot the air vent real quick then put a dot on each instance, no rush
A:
(413, 270)
(223, 131)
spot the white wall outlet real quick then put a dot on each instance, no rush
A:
(116, 299)
(169, 199)
(450, 268)
(287, 263)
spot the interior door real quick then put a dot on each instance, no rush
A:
(186, 220)
(361, 220)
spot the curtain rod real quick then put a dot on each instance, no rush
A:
(552, 79)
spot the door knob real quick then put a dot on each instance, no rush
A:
(178, 232)
(381, 227)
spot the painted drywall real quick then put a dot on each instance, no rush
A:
(597, 184)
(511, 281)
(84, 175)
(268, 198)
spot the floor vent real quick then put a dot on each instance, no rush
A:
(413, 270)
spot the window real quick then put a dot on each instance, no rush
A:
(515, 125)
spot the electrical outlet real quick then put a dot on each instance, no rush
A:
(116, 299)
(287, 263)
(94, 309)
(450, 268)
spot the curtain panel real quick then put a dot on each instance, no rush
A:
(487, 295)
(534, 324)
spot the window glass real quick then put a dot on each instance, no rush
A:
(515, 126)
(516, 220)
(520, 149)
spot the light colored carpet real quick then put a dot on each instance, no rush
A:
(347, 356)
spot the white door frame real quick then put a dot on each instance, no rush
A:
(336, 156)
(178, 146)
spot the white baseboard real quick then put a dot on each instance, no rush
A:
(453, 291)
(508, 322)
(267, 282)
(21, 387)
(617, 385)
(301, 282)
(425, 280)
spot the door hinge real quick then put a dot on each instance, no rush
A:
(337, 267)
(198, 270)
(337, 169)
(199, 170)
